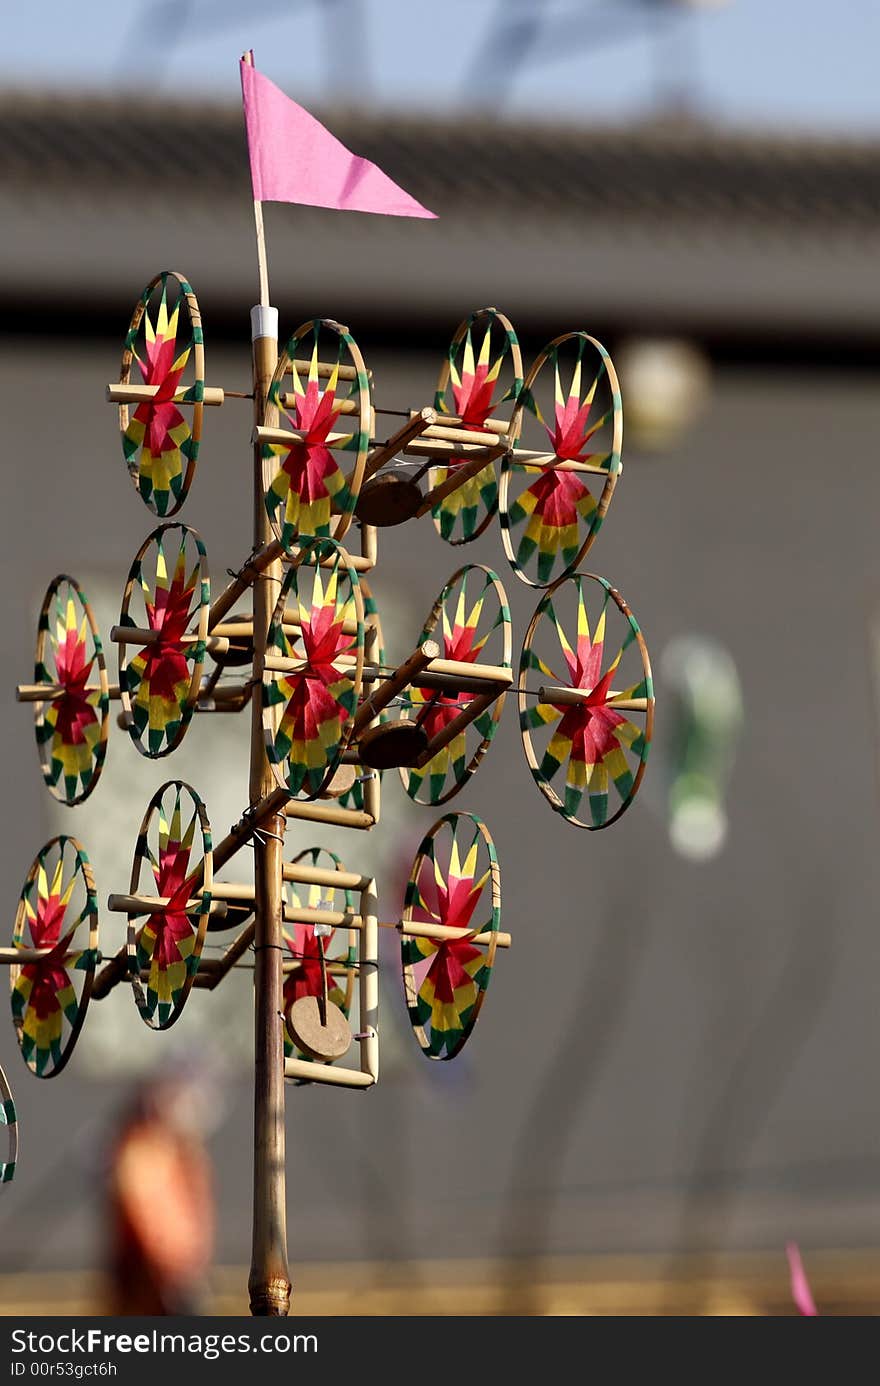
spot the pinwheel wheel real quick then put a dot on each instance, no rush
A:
(318, 967)
(570, 417)
(314, 463)
(470, 621)
(165, 340)
(8, 1119)
(70, 693)
(313, 668)
(455, 884)
(56, 931)
(165, 617)
(171, 883)
(482, 371)
(577, 682)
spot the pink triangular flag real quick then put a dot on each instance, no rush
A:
(800, 1285)
(294, 159)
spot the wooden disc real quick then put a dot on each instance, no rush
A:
(342, 782)
(388, 500)
(304, 1026)
(391, 744)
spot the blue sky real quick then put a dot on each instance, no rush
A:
(799, 64)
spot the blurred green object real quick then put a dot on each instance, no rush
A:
(704, 716)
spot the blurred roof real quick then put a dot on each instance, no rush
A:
(666, 226)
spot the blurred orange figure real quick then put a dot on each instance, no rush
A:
(161, 1203)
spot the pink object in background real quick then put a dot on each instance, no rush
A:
(800, 1286)
(294, 159)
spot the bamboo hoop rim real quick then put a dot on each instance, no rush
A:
(198, 650)
(82, 867)
(523, 694)
(133, 933)
(508, 462)
(318, 547)
(497, 708)
(100, 752)
(409, 983)
(196, 389)
(512, 433)
(362, 379)
(9, 1119)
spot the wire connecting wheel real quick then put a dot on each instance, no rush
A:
(72, 724)
(557, 484)
(322, 958)
(163, 630)
(313, 669)
(482, 372)
(9, 1119)
(173, 863)
(455, 883)
(470, 620)
(57, 917)
(165, 340)
(322, 391)
(578, 680)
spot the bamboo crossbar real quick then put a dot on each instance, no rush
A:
(142, 394)
(327, 1073)
(336, 919)
(338, 817)
(441, 451)
(572, 697)
(458, 668)
(242, 628)
(300, 874)
(325, 370)
(441, 933)
(548, 461)
(18, 956)
(289, 437)
(138, 635)
(404, 435)
(465, 434)
(157, 904)
(47, 692)
(500, 427)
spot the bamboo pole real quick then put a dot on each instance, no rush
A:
(327, 1073)
(441, 452)
(157, 904)
(48, 692)
(441, 933)
(337, 817)
(548, 461)
(573, 697)
(269, 1281)
(137, 635)
(301, 874)
(142, 394)
(500, 427)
